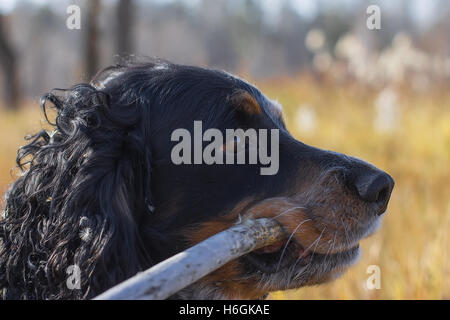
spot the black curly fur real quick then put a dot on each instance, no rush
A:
(76, 202)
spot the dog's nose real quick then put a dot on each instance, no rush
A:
(375, 187)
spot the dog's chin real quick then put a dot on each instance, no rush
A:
(281, 266)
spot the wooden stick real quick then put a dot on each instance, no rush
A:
(170, 276)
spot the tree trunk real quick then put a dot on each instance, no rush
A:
(8, 62)
(91, 54)
(124, 16)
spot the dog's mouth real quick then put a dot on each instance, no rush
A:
(290, 254)
(280, 255)
(320, 244)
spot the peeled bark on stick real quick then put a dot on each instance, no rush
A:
(185, 268)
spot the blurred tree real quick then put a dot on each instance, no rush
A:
(91, 52)
(8, 62)
(221, 48)
(124, 16)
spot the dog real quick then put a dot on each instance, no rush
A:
(101, 195)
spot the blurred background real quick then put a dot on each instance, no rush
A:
(381, 95)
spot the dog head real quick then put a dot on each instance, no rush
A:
(138, 164)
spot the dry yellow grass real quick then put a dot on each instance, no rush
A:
(411, 248)
(13, 128)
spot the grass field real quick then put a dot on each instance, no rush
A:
(412, 247)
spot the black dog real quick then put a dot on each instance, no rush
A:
(101, 192)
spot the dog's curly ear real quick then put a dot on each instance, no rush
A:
(70, 226)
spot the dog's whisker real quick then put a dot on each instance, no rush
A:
(290, 210)
(316, 242)
(289, 239)
(330, 248)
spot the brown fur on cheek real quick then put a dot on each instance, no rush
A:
(228, 277)
(295, 221)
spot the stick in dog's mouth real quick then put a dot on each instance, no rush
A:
(174, 274)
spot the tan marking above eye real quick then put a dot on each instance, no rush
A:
(244, 101)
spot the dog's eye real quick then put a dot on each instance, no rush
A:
(234, 145)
